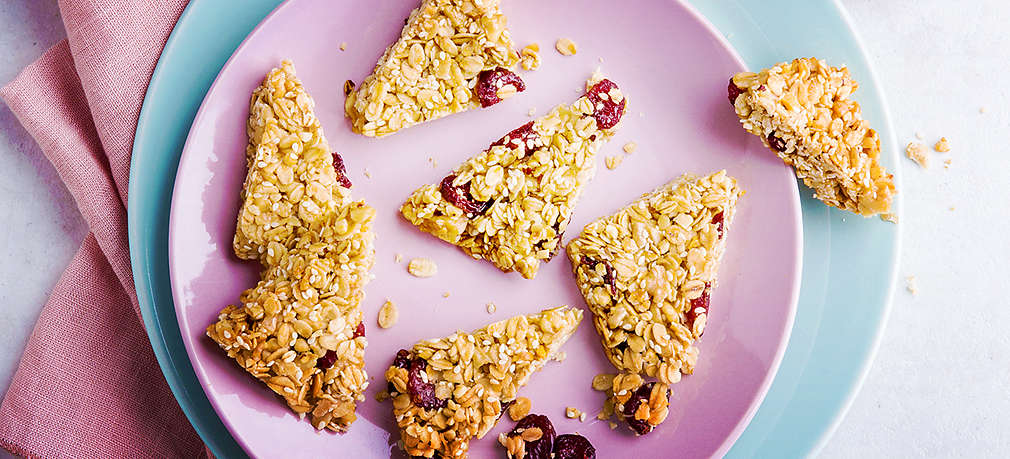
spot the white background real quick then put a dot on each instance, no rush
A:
(940, 385)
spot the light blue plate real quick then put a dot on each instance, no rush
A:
(849, 263)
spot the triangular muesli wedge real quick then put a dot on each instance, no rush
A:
(647, 271)
(511, 203)
(452, 55)
(803, 111)
(448, 391)
(299, 330)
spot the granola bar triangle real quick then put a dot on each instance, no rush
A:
(647, 272)
(452, 55)
(299, 330)
(511, 203)
(803, 111)
(448, 391)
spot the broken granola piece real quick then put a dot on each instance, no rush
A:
(474, 376)
(643, 405)
(917, 152)
(803, 111)
(647, 272)
(511, 204)
(434, 69)
(299, 330)
(942, 145)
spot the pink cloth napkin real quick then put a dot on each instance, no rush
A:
(88, 384)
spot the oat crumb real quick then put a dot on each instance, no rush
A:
(445, 295)
(422, 267)
(572, 412)
(566, 46)
(889, 218)
(946, 164)
(388, 314)
(630, 147)
(981, 110)
(918, 135)
(612, 425)
(491, 308)
(582, 417)
(520, 408)
(942, 145)
(911, 285)
(916, 152)
(397, 258)
(368, 174)
(348, 87)
(601, 59)
(343, 46)
(561, 356)
(531, 112)
(613, 161)
(529, 57)
(951, 208)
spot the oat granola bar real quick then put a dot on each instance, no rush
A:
(299, 330)
(511, 204)
(803, 111)
(452, 55)
(647, 271)
(447, 391)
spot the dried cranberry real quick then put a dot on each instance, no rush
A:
(718, 220)
(327, 360)
(338, 167)
(573, 446)
(700, 302)
(538, 449)
(490, 81)
(606, 111)
(776, 143)
(422, 393)
(523, 136)
(609, 277)
(459, 196)
(734, 92)
(360, 331)
(402, 359)
(638, 397)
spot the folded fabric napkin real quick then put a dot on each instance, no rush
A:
(88, 384)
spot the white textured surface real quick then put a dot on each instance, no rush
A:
(939, 386)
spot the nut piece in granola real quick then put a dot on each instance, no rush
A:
(803, 111)
(511, 204)
(647, 273)
(299, 330)
(448, 391)
(642, 405)
(450, 57)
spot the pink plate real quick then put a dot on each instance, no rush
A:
(674, 69)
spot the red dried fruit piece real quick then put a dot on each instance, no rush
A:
(338, 167)
(459, 196)
(523, 136)
(700, 302)
(422, 393)
(776, 143)
(609, 277)
(327, 360)
(360, 331)
(402, 359)
(641, 395)
(734, 92)
(490, 81)
(718, 220)
(606, 111)
(542, 448)
(573, 446)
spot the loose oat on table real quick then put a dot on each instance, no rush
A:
(529, 57)
(450, 390)
(388, 314)
(630, 147)
(451, 56)
(299, 330)
(511, 204)
(916, 152)
(572, 412)
(343, 46)
(613, 161)
(647, 273)
(803, 111)
(942, 145)
(422, 267)
(566, 47)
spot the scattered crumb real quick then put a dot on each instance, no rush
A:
(918, 135)
(613, 161)
(388, 314)
(445, 295)
(343, 46)
(561, 356)
(381, 396)
(630, 147)
(531, 112)
(601, 59)
(911, 285)
(951, 208)
(946, 164)
(612, 425)
(368, 174)
(348, 87)
(916, 152)
(566, 46)
(422, 267)
(572, 412)
(641, 114)
(491, 308)
(942, 145)
(530, 57)
(981, 110)
(582, 417)
(398, 258)
(889, 218)
(433, 161)
(520, 408)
